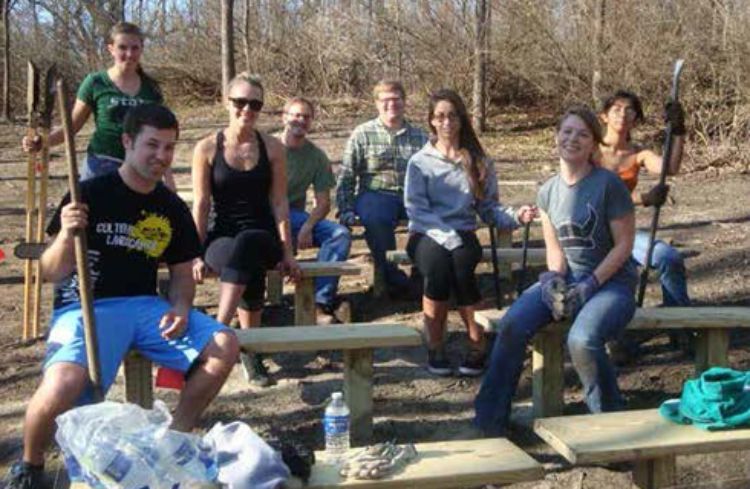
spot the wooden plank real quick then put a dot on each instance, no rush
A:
(505, 256)
(711, 349)
(504, 241)
(274, 287)
(443, 465)
(328, 268)
(138, 384)
(547, 373)
(333, 337)
(654, 473)
(714, 318)
(304, 302)
(358, 373)
(632, 435)
(379, 287)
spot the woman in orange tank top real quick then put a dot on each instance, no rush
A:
(621, 112)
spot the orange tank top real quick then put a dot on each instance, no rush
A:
(629, 174)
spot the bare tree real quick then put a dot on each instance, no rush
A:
(227, 44)
(598, 48)
(481, 58)
(5, 5)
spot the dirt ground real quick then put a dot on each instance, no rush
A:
(708, 222)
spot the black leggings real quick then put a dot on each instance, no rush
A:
(244, 260)
(445, 270)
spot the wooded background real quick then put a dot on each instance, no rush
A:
(517, 54)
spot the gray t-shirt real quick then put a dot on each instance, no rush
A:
(581, 214)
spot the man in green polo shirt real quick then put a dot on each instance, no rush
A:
(308, 166)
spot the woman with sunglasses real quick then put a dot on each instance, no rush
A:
(588, 222)
(108, 94)
(242, 172)
(449, 183)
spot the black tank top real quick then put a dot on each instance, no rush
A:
(241, 198)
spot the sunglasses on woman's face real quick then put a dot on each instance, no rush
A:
(253, 104)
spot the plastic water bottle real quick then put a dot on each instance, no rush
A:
(336, 425)
(186, 457)
(118, 464)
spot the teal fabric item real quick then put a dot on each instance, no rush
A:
(718, 400)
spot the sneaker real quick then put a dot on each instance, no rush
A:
(437, 363)
(255, 370)
(24, 476)
(474, 363)
(325, 314)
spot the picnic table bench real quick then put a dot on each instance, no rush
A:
(446, 464)
(642, 436)
(711, 324)
(440, 465)
(357, 341)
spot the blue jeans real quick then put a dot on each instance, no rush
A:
(601, 319)
(379, 213)
(97, 165)
(668, 262)
(334, 242)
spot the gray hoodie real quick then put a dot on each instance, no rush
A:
(439, 202)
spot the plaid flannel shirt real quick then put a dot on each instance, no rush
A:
(375, 159)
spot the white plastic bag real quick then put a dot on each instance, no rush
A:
(112, 445)
(244, 460)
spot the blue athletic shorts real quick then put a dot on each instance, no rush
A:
(123, 324)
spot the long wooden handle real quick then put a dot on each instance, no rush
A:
(28, 270)
(81, 248)
(41, 218)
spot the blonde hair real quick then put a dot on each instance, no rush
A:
(250, 78)
(386, 85)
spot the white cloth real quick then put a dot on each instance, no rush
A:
(246, 461)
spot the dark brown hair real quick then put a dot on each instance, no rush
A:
(467, 138)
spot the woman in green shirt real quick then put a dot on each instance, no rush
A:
(108, 95)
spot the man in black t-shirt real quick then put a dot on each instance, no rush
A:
(132, 223)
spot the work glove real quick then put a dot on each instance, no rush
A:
(553, 293)
(657, 195)
(674, 115)
(579, 294)
(348, 218)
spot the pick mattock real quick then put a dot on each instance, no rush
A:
(81, 248)
(32, 109)
(45, 122)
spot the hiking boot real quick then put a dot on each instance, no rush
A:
(23, 475)
(255, 370)
(325, 314)
(438, 364)
(474, 362)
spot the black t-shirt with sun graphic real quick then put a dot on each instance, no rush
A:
(128, 235)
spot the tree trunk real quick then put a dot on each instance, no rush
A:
(596, 75)
(227, 44)
(5, 5)
(247, 38)
(481, 58)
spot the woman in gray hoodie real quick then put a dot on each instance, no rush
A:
(449, 183)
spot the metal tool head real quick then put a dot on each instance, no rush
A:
(48, 97)
(32, 92)
(678, 65)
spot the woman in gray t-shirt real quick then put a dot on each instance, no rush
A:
(589, 223)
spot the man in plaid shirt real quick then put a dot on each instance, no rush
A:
(371, 179)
